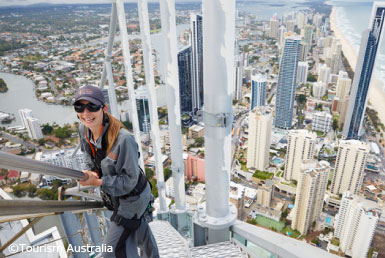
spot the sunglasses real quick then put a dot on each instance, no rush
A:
(79, 108)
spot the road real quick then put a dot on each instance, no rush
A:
(17, 140)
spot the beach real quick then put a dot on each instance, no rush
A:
(376, 97)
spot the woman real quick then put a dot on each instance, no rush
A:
(112, 163)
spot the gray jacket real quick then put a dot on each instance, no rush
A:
(120, 170)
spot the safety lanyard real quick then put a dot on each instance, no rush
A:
(91, 145)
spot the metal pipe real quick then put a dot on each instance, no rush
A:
(153, 106)
(73, 231)
(128, 73)
(170, 49)
(218, 65)
(19, 207)
(10, 161)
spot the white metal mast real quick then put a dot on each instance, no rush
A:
(170, 50)
(118, 4)
(149, 72)
(218, 65)
(107, 68)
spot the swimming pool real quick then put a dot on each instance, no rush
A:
(277, 161)
(328, 220)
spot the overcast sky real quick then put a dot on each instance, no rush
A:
(28, 2)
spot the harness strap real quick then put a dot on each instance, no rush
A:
(91, 145)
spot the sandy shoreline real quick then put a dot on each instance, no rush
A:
(376, 95)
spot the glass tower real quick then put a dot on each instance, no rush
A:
(370, 42)
(258, 91)
(197, 60)
(287, 76)
(184, 70)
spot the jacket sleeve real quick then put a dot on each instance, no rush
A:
(88, 163)
(126, 168)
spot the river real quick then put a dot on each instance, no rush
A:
(21, 95)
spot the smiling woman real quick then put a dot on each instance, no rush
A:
(111, 155)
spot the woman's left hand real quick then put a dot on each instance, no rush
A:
(93, 179)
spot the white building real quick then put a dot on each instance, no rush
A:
(350, 166)
(34, 129)
(310, 194)
(273, 32)
(322, 121)
(303, 68)
(300, 148)
(355, 225)
(265, 194)
(324, 74)
(343, 85)
(260, 124)
(24, 114)
(319, 89)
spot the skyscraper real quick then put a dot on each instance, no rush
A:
(273, 32)
(350, 166)
(310, 194)
(355, 225)
(143, 110)
(370, 42)
(343, 85)
(31, 124)
(324, 74)
(303, 68)
(238, 78)
(185, 80)
(286, 86)
(308, 35)
(300, 147)
(258, 91)
(197, 61)
(260, 123)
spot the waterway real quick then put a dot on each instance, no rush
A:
(21, 95)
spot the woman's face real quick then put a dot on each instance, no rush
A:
(91, 119)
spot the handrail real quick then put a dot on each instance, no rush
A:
(19, 207)
(10, 161)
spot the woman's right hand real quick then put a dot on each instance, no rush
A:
(93, 179)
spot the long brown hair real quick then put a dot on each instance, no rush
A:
(113, 130)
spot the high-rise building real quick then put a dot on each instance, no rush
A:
(334, 59)
(307, 36)
(322, 121)
(107, 98)
(319, 89)
(304, 51)
(281, 35)
(31, 124)
(370, 42)
(24, 114)
(355, 225)
(265, 193)
(300, 147)
(301, 20)
(343, 85)
(34, 129)
(258, 91)
(273, 32)
(197, 61)
(260, 123)
(350, 166)
(324, 74)
(311, 187)
(185, 80)
(286, 86)
(238, 78)
(303, 68)
(290, 25)
(143, 110)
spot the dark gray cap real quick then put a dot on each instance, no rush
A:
(91, 93)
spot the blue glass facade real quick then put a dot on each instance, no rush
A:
(258, 92)
(286, 85)
(185, 83)
(361, 82)
(197, 61)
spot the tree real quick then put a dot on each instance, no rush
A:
(199, 141)
(311, 78)
(46, 129)
(301, 99)
(149, 173)
(335, 125)
(167, 173)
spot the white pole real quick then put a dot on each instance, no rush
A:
(128, 73)
(149, 72)
(107, 68)
(170, 50)
(218, 64)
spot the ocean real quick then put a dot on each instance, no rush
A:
(353, 18)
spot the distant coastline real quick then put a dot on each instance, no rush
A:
(376, 94)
